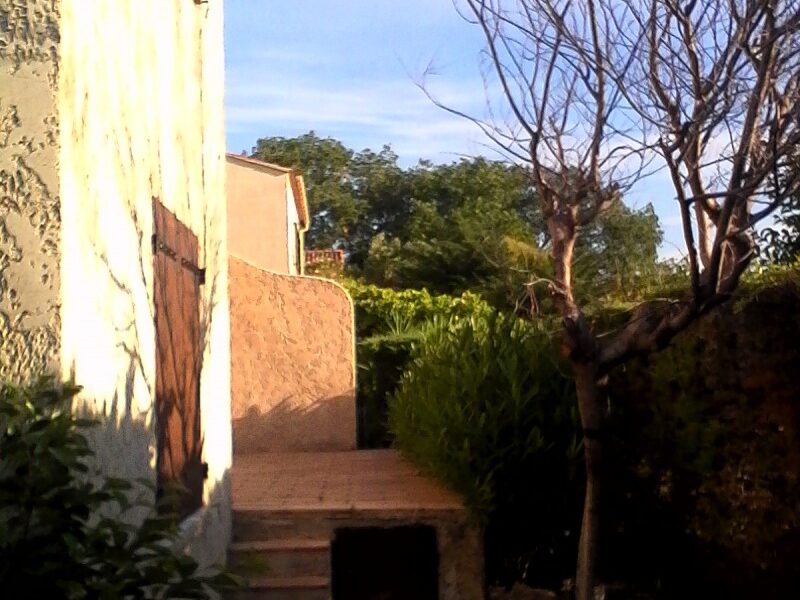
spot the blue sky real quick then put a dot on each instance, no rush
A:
(348, 69)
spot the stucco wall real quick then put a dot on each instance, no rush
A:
(292, 362)
(257, 216)
(141, 116)
(29, 199)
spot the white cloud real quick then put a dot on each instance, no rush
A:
(360, 113)
(268, 57)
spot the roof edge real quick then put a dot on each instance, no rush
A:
(295, 180)
(257, 163)
(300, 199)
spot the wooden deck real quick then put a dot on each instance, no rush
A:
(290, 508)
(365, 480)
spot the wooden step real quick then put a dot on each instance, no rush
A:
(281, 544)
(293, 557)
(254, 526)
(288, 583)
(286, 588)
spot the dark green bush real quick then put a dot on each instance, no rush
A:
(704, 499)
(485, 407)
(381, 360)
(706, 492)
(62, 534)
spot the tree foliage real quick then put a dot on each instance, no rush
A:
(474, 224)
(618, 254)
(351, 195)
(781, 241)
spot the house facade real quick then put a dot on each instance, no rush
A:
(292, 337)
(113, 239)
(267, 214)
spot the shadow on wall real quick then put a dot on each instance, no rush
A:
(288, 426)
(140, 341)
(123, 448)
(178, 315)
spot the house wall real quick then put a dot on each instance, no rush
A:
(256, 216)
(293, 362)
(141, 116)
(29, 198)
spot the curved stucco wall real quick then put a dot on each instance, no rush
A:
(29, 198)
(141, 116)
(292, 362)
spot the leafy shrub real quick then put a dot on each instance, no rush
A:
(388, 322)
(381, 361)
(781, 242)
(485, 407)
(57, 538)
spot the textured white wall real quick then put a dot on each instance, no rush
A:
(29, 202)
(141, 116)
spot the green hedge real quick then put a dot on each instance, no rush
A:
(706, 453)
(379, 309)
(705, 496)
(388, 323)
(485, 407)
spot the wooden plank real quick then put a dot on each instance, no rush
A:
(177, 320)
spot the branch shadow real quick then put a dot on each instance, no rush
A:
(289, 426)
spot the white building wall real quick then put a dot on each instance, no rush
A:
(292, 225)
(141, 116)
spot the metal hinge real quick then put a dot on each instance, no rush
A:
(204, 466)
(160, 245)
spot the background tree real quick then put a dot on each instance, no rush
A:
(781, 240)
(463, 216)
(617, 254)
(352, 196)
(383, 192)
(475, 224)
(595, 92)
(325, 164)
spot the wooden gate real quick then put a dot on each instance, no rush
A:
(177, 281)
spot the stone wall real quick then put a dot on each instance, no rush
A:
(29, 196)
(292, 362)
(141, 116)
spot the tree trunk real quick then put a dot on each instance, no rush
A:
(592, 413)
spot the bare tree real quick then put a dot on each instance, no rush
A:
(596, 94)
